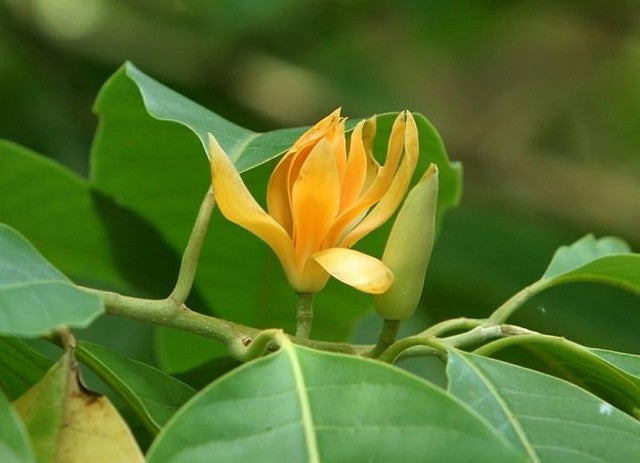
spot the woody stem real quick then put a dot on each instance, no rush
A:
(304, 315)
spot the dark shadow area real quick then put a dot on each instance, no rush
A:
(142, 255)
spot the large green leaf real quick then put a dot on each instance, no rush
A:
(149, 154)
(152, 394)
(35, 298)
(550, 419)
(587, 368)
(20, 366)
(627, 362)
(308, 406)
(14, 440)
(81, 231)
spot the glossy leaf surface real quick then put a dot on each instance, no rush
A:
(15, 446)
(548, 418)
(309, 406)
(606, 260)
(36, 298)
(153, 395)
(599, 372)
(20, 366)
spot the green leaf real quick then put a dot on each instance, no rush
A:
(607, 260)
(568, 259)
(15, 446)
(76, 227)
(178, 351)
(56, 213)
(20, 366)
(550, 419)
(580, 365)
(167, 174)
(304, 405)
(622, 270)
(153, 395)
(35, 298)
(205, 373)
(627, 362)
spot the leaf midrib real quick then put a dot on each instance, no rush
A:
(510, 416)
(305, 406)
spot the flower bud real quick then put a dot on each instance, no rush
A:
(408, 249)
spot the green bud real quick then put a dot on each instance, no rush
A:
(408, 249)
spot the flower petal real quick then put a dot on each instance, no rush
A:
(315, 199)
(355, 170)
(368, 134)
(339, 147)
(356, 269)
(238, 206)
(379, 186)
(327, 128)
(287, 170)
(393, 197)
(312, 279)
(278, 195)
(319, 130)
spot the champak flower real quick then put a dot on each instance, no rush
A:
(322, 198)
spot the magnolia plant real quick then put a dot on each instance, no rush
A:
(232, 369)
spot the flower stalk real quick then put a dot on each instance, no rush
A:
(189, 263)
(304, 315)
(387, 337)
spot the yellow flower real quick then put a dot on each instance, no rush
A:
(322, 198)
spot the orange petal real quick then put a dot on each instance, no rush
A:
(339, 147)
(315, 199)
(327, 128)
(278, 198)
(355, 170)
(312, 278)
(379, 186)
(393, 197)
(368, 134)
(238, 206)
(318, 131)
(382, 211)
(356, 269)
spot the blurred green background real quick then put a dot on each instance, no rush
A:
(539, 100)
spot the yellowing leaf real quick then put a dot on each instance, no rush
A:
(68, 423)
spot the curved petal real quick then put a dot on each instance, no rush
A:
(393, 197)
(238, 206)
(278, 197)
(315, 199)
(312, 278)
(318, 131)
(339, 147)
(368, 134)
(381, 211)
(355, 169)
(380, 185)
(356, 269)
